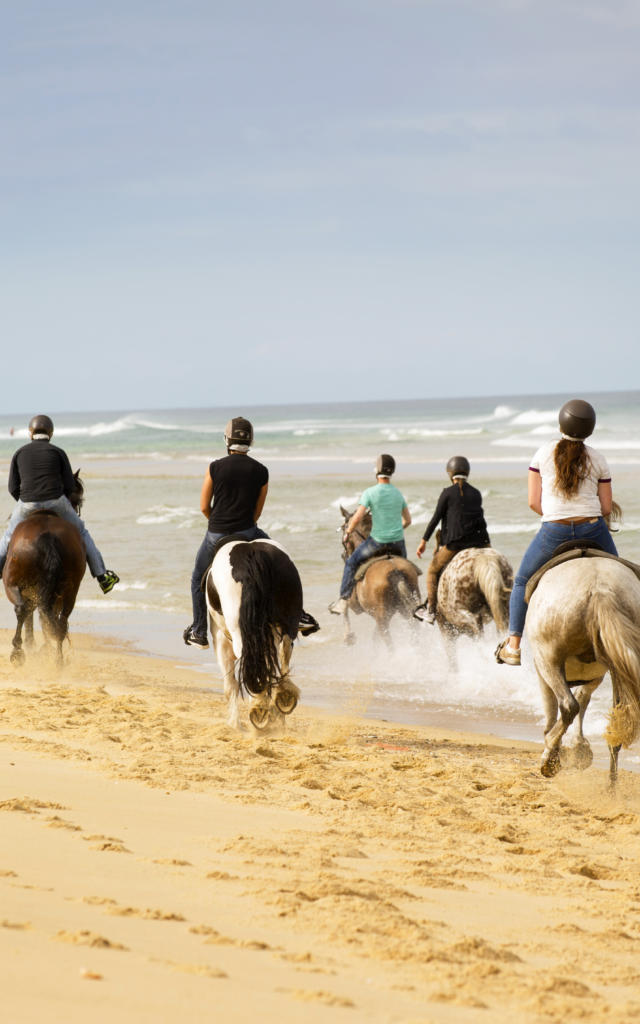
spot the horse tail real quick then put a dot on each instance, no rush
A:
(615, 636)
(406, 597)
(489, 577)
(259, 665)
(50, 555)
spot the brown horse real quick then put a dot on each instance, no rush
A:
(45, 563)
(389, 585)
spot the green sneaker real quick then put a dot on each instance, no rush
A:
(108, 581)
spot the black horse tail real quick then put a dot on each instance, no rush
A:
(259, 665)
(50, 551)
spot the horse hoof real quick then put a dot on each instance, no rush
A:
(550, 764)
(17, 657)
(259, 717)
(350, 639)
(286, 701)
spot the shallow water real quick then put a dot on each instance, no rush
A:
(143, 477)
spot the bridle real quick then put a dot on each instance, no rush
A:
(355, 532)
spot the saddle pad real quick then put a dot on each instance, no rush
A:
(361, 570)
(580, 550)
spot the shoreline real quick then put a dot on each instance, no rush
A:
(152, 860)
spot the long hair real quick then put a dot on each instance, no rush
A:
(573, 465)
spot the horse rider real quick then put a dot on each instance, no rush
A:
(390, 516)
(569, 486)
(459, 509)
(41, 478)
(233, 494)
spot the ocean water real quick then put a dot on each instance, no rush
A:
(143, 471)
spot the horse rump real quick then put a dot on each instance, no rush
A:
(270, 604)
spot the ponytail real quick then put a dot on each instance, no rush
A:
(573, 465)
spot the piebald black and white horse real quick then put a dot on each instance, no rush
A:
(254, 597)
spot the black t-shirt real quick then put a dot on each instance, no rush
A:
(463, 523)
(237, 482)
(40, 471)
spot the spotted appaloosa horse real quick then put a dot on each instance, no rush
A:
(254, 597)
(389, 586)
(45, 563)
(473, 590)
(584, 620)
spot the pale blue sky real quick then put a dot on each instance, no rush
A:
(204, 203)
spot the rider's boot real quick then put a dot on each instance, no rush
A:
(307, 624)
(108, 581)
(338, 607)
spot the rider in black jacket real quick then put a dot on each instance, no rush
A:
(459, 510)
(40, 477)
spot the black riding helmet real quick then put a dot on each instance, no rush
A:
(385, 465)
(458, 466)
(577, 419)
(238, 431)
(41, 424)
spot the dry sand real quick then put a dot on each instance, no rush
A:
(157, 866)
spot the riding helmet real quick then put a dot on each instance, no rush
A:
(41, 425)
(577, 419)
(238, 431)
(458, 466)
(385, 465)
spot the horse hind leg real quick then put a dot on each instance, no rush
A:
(557, 697)
(580, 755)
(286, 694)
(227, 662)
(24, 612)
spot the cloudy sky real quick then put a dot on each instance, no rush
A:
(213, 201)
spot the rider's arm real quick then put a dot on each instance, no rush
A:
(14, 479)
(535, 492)
(356, 518)
(605, 495)
(406, 518)
(206, 494)
(68, 479)
(262, 497)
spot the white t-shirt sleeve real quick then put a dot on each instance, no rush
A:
(535, 461)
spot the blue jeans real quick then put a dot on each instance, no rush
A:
(368, 549)
(541, 549)
(62, 507)
(203, 561)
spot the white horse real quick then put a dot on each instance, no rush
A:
(584, 620)
(254, 597)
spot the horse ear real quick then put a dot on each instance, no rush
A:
(345, 513)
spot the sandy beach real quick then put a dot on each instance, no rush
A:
(156, 865)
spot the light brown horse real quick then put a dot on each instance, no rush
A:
(45, 563)
(388, 586)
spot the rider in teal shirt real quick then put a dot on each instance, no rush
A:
(389, 517)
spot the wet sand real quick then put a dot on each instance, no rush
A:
(156, 865)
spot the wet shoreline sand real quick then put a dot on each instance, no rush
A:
(157, 865)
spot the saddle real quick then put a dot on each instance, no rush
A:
(362, 569)
(570, 550)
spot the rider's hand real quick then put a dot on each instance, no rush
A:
(421, 546)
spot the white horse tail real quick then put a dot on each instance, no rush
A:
(489, 578)
(615, 636)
